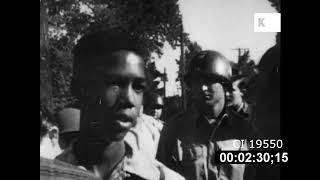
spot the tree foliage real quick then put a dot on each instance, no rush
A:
(192, 49)
(62, 23)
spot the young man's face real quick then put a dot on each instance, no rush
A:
(122, 94)
(207, 93)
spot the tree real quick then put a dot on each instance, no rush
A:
(154, 22)
(45, 75)
(192, 49)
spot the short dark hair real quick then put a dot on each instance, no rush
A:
(97, 44)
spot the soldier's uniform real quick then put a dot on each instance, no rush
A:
(188, 145)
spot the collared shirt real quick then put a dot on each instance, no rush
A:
(51, 169)
(143, 140)
(145, 135)
(134, 165)
(188, 145)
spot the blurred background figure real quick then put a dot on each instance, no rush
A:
(238, 103)
(268, 94)
(49, 134)
(153, 105)
(236, 97)
(51, 168)
(268, 104)
(69, 119)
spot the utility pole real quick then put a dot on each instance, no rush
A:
(182, 68)
(164, 82)
(240, 50)
(164, 95)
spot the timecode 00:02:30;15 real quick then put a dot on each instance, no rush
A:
(254, 157)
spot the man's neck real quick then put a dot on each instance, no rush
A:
(212, 115)
(113, 154)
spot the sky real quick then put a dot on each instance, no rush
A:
(221, 25)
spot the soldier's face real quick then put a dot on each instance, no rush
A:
(124, 83)
(207, 93)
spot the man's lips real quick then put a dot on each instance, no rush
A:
(123, 117)
(123, 121)
(207, 96)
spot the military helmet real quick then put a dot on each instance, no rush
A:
(211, 64)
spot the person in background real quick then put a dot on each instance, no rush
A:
(49, 134)
(145, 134)
(268, 94)
(237, 102)
(153, 105)
(50, 168)
(69, 119)
(268, 113)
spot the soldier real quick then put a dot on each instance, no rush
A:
(69, 119)
(189, 141)
(110, 78)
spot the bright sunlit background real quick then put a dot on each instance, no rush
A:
(221, 25)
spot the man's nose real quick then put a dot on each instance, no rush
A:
(127, 96)
(204, 88)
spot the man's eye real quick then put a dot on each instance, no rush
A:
(139, 86)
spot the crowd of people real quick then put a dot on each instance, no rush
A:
(118, 133)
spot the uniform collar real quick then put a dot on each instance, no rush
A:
(224, 119)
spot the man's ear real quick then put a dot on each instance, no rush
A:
(54, 133)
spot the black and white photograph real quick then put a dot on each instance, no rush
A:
(160, 90)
